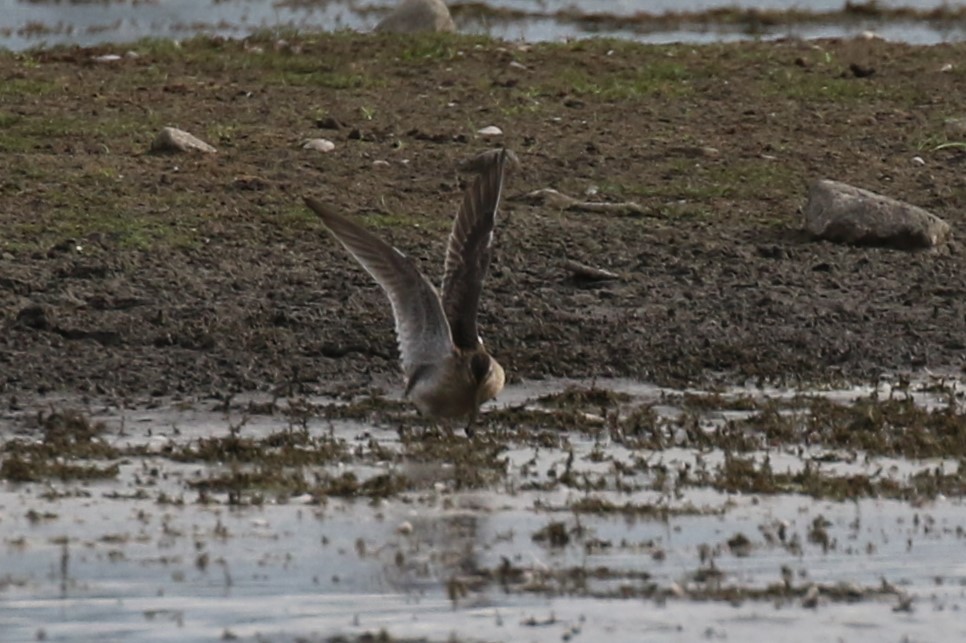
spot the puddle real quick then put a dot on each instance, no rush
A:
(571, 534)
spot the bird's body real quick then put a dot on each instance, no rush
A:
(449, 373)
(456, 386)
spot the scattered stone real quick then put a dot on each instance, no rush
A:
(318, 145)
(415, 16)
(172, 139)
(918, 160)
(380, 163)
(905, 604)
(490, 130)
(955, 126)
(107, 58)
(517, 65)
(556, 199)
(328, 122)
(64, 246)
(250, 182)
(588, 273)
(405, 528)
(948, 67)
(33, 316)
(861, 71)
(810, 600)
(845, 214)
(676, 590)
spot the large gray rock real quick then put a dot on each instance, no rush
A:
(414, 16)
(840, 212)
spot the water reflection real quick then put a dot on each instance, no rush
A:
(40, 23)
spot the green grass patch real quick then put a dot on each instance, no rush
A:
(432, 46)
(668, 78)
(689, 179)
(831, 83)
(26, 86)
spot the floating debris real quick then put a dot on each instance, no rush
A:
(955, 126)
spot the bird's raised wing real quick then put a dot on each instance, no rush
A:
(469, 249)
(421, 327)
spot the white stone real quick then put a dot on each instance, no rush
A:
(380, 163)
(318, 145)
(490, 130)
(840, 212)
(414, 16)
(918, 160)
(172, 139)
(107, 58)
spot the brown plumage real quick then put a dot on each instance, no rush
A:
(448, 372)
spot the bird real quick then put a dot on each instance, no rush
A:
(448, 371)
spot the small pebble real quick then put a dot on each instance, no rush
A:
(405, 528)
(918, 160)
(318, 145)
(490, 130)
(380, 163)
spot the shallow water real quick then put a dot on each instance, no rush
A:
(43, 23)
(145, 556)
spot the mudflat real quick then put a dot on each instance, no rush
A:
(133, 274)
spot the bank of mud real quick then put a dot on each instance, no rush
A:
(132, 275)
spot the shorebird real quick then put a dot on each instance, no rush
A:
(449, 373)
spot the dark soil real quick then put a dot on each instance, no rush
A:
(130, 274)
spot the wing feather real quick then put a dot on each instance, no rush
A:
(421, 328)
(469, 250)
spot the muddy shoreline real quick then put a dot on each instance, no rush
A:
(130, 275)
